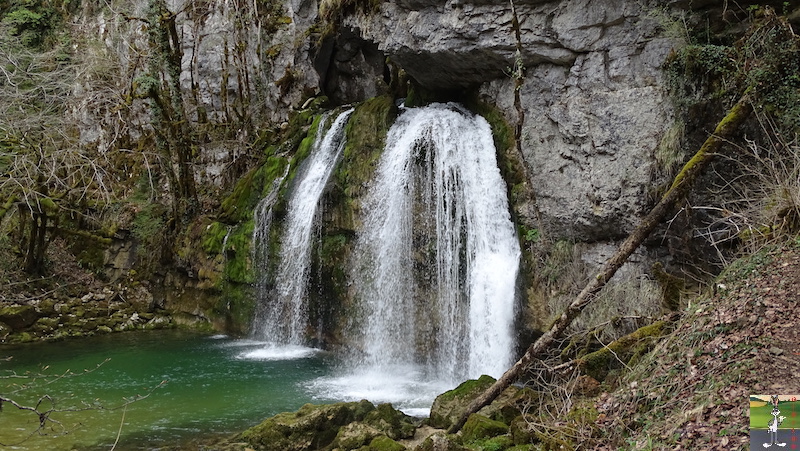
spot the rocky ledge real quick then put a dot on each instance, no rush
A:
(101, 311)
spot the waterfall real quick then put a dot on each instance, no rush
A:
(436, 264)
(282, 315)
(262, 224)
(439, 255)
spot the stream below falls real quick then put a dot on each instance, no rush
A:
(214, 385)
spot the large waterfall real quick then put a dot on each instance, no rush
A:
(436, 262)
(282, 316)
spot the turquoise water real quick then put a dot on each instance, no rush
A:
(214, 385)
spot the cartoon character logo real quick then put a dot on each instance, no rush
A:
(773, 424)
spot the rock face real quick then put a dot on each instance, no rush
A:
(351, 69)
(591, 93)
(592, 97)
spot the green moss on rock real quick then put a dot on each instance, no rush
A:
(383, 443)
(238, 266)
(366, 137)
(480, 427)
(390, 421)
(312, 427)
(239, 205)
(355, 435)
(519, 431)
(18, 317)
(214, 237)
(499, 443)
(441, 442)
(448, 406)
(597, 364)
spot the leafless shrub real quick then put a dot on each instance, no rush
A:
(758, 202)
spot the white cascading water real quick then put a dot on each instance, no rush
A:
(437, 263)
(282, 317)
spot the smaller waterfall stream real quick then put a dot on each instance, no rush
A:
(282, 318)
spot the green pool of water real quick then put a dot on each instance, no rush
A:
(209, 388)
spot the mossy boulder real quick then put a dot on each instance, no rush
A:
(480, 427)
(625, 349)
(45, 325)
(391, 422)
(499, 443)
(440, 442)
(383, 443)
(520, 431)
(18, 317)
(47, 307)
(385, 421)
(313, 427)
(449, 405)
(355, 435)
(5, 329)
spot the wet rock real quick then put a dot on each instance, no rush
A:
(89, 325)
(351, 69)
(147, 316)
(159, 322)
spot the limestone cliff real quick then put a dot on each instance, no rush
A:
(220, 93)
(593, 99)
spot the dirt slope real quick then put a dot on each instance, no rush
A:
(692, 391)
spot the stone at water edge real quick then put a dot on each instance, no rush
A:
(18, 317)
(342, 425)
(449, 406)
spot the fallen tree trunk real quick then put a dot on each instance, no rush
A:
(680, 187)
